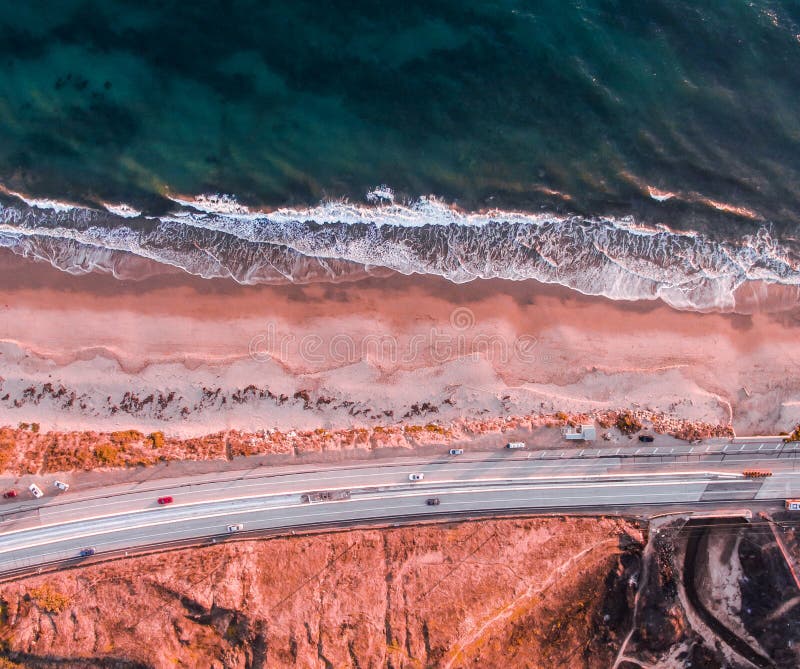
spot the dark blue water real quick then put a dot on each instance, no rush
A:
(675, 112)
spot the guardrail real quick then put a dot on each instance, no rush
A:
(696, 451)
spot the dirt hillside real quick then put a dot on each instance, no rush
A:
(512, 593)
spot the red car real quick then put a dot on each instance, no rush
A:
(165, 500)
(9, 494)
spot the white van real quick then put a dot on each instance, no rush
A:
(36, 491)
(515, 444)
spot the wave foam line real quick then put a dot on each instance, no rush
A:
(615, 258)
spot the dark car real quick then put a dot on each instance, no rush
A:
(9, 494)
(646, 438)
(432, 501)
(87, 552)
(165, 500)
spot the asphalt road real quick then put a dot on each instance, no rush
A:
(127, 517)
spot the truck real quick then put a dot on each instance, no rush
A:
(324, 496)
(515, 444)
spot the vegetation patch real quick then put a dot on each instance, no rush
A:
(48, 599)
(123, 437)
(627, 423)
(107, 455)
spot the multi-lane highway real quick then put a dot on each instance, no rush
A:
(127, 517)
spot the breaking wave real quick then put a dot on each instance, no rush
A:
(215, 236)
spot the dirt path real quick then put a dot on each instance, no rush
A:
(735, 642)
(509, 609)
(643, 576)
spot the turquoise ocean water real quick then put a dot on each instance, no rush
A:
(592, 117)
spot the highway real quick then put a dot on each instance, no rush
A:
(637, 479)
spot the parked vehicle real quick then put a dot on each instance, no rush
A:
(416, 477)
(238, 527)
(456, 451)
(793, 504)
(515, 444)
(36, 491)
(432, 501)
(165, 500)
(87, 552)
(646, 438)
(9, 494)
(62, 486)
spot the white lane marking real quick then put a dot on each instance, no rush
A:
(530, 480)
(690, 496)
(278, 484)
(595, 494)
(197, 514)
(354, 473)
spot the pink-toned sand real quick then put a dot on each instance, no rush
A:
(484, 348)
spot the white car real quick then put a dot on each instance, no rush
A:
(36, 491)
(238, 527)
(456, 451)
(416, 477)
(61, 486)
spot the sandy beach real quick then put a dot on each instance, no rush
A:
(191, 357)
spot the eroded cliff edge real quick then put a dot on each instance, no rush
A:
(533, 592)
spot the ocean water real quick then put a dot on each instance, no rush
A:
(627, 149)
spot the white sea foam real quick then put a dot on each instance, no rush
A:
(660, 195)
(382, 193)
(123, 210)
(214, 203)
(40, 203)
(616, 258)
